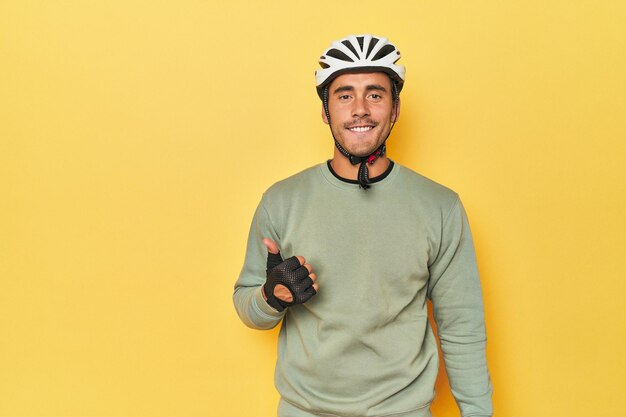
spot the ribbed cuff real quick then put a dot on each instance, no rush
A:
(263, 308)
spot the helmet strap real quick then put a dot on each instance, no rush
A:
(363, 175)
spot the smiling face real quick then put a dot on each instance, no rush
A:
(361, 111)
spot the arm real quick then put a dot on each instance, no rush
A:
(454, 288)
(248, 296)
(289, 281)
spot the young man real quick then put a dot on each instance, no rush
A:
(379, 240)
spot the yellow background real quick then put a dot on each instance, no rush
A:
(136, 138)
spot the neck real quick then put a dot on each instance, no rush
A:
(342, 166)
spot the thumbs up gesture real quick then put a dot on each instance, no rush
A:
(289, 281)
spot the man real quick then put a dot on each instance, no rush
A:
(379, 240)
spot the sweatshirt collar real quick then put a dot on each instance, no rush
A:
(349, 184)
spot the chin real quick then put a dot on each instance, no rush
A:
(362, 151)
(362, 154)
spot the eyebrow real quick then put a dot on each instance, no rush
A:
(371, 87)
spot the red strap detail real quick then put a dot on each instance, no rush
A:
(373, 157)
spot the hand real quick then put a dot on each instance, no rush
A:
(289, 282)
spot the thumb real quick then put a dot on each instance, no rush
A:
(272, 247)
(273, 254)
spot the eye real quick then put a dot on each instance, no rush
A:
(344, 97)
(375, 97)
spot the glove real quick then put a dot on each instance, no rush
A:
(290, 274)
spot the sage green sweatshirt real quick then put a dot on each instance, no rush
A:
(363, 345)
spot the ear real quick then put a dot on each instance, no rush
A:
(324, 117)
(395, 112)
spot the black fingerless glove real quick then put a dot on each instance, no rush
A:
(290, 274)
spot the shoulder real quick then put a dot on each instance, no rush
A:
(292, 187)
(291, 183)
(423, 188)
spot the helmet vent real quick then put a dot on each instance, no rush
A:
(360, 41)
(350, 47)
(373, 43)
(336, 53)
(384, 51)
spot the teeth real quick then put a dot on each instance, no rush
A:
(361, 128)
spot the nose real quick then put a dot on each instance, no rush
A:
(360, 107)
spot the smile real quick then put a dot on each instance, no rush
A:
(360, 128)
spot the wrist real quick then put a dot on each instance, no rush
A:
(264, 307)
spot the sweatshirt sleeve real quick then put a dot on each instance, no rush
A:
(249, 302)
(455, 291)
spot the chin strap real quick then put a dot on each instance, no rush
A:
(363, 175)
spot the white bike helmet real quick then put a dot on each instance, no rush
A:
(359, 53)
